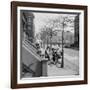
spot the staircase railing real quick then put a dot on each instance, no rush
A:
(32, 49)
(29, 42)
(26, 69)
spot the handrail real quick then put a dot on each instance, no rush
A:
(34, 49)
(31, 51)
(27, 69)
(31, 43)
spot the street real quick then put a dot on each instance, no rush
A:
(71, 64)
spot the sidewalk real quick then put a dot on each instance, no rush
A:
(71, 65)
(54, 71)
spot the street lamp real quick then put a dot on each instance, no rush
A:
(63, 24)
(62, 64)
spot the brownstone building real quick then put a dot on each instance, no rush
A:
(31, 65)
(27, 25)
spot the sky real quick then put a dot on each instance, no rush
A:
(41, 19)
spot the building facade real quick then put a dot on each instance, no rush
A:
(76, 28)
(31, 65)
(27, 25)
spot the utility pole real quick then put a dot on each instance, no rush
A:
(62, 64)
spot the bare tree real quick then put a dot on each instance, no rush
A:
(48, 30)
